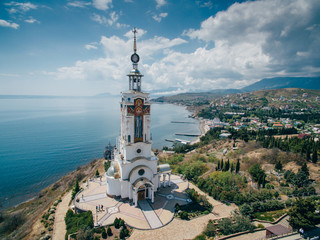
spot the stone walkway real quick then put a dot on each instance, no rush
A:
(149, 214)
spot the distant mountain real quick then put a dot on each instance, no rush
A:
(227, 91)
(284, 82)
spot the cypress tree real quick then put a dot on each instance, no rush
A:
(278, 166)
(238, 166)
(314, 155)
(221, 165)
(305, 169)
(232, 167)
(227, 166)
(308, 154)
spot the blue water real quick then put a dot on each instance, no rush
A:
(42, 139)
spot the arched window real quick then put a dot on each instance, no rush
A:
(129, 139)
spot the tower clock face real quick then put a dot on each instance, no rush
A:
(135, 58)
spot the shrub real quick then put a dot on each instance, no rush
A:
(109, 232)
(260, 226)
(200, 237)
(116, 223)
(104, 234)
(121, 223)
(211, 229)
(74, 222)
(11, 223)
(184, 215)
(124, 233)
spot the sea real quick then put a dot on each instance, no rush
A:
(42, 139)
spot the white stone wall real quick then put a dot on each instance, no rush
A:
(113, 186)
(126, 168)
(134, 175)
(130, 151)
(124, 189)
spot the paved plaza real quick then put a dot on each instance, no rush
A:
(146, 216)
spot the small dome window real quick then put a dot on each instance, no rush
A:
(141, 172)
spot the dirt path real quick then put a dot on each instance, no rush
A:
(59, 229)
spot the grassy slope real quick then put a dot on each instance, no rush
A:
(34, 209)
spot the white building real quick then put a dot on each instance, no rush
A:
(134, 172)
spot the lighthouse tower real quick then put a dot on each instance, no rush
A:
(134, 172)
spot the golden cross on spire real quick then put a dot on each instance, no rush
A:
(134, 38)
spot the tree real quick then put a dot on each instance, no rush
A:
(84, 233)
(303, 215)
(227, 166)
(76, 189)
(246, 210)
(278, 166)
(97, 173)
(104, 233)
(121, 223)
(109, 232)
(258, 174)
(221, 165)
(184, 215)
(314, 155)
(238, 166)
(116, 223)
(305, 169)
(107, 165)
(308, 154)
(232, 167)
(211, 229)
(301, 179)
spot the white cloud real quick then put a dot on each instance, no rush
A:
(159, 17)
(79, 4)
(4, 23)
(31, 20)
(111, 21)
(160, 3)
(116, 64)
(207, 4)
(91, 46)
(113, 18)
(272, 33)
(102, 4)
(98, 18)
(245, 43)
(20, 7)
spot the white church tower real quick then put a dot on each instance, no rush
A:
(134, 172)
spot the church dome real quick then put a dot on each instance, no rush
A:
(135, 71)
(110, 171)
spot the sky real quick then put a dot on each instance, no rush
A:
(83, 48)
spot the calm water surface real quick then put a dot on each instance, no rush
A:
(42, 139)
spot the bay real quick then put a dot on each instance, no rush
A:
(43, 139)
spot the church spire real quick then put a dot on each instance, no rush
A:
(134, 40)
(135, 75)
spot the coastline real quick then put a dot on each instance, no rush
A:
(204, 128)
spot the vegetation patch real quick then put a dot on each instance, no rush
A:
(75, 222)
(269, 216)
(199, 205)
